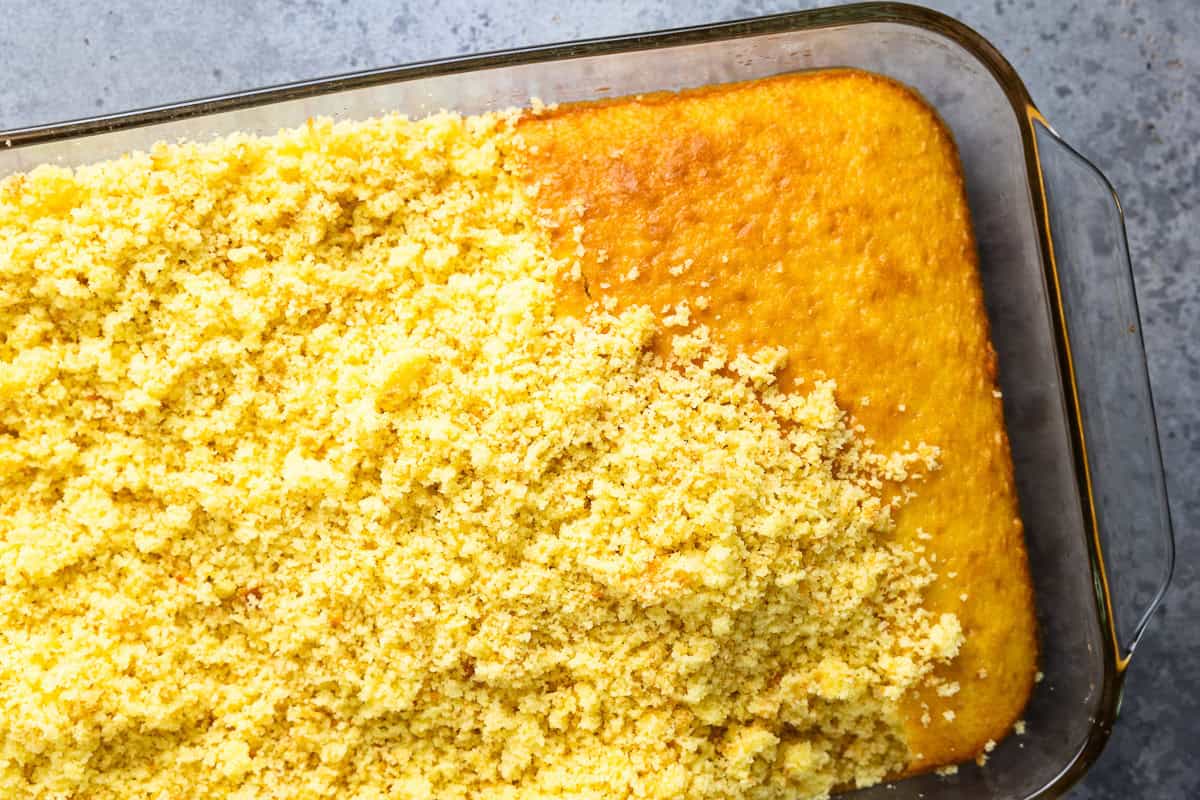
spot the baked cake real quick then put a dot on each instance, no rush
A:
(648, 448)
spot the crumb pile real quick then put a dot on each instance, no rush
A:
(306, 490)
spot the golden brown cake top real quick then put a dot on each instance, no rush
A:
(824, 213)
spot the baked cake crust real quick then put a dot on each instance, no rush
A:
(824, 212)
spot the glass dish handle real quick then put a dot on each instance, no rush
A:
(1115, 405)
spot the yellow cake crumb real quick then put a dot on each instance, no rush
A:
(309, 490)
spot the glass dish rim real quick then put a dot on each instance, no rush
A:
(1028, 118)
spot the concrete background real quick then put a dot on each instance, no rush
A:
(1119, 78)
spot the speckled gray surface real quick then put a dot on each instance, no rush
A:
(1119, 78)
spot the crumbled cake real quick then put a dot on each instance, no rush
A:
(315, 483)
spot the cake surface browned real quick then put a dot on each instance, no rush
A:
(825, 212)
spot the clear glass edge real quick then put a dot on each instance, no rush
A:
(1125, 649)
(1005, 75)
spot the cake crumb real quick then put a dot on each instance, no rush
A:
(678, 269)
(364, 511)
(680, 316)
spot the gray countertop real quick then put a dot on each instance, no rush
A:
(1120, 79)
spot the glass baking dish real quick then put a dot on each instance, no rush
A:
(1057, 284)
